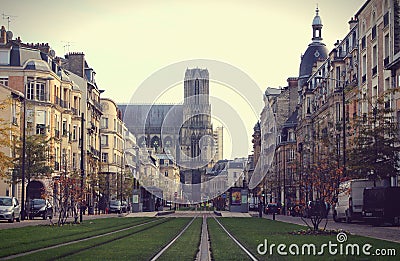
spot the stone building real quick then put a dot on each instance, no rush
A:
(182, 130)
(112, 148)
(10, 121)
(58, 92)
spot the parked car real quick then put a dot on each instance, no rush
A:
(124, 206)
(115, 206)
(316, 208)
(381, 205)
(272, 208)
(39, 207)
(10, 209)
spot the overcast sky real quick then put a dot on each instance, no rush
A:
(125, 41)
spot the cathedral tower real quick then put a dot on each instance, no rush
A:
(196, 134)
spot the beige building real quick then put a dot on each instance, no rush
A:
(169, 177)
(58, 91)
(112, 147)
(10, 121)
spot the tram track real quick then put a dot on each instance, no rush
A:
(244, 249)
(158, 222)
(169, 244)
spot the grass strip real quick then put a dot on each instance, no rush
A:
(254, 231)
(186, 246)
(222, 246)
(141, 246)
(30, 238)
(90, 245)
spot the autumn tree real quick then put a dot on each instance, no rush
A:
(322, 178)
(37, 157)
(374, 150)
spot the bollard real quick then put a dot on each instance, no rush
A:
(273, 216)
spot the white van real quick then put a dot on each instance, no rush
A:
(349, 203)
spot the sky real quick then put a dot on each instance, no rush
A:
(126, 41)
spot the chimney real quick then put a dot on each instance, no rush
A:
(352, 23)
(3, 35)
(76, 63)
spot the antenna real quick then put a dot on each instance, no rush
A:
(8, 18)
(66, 46)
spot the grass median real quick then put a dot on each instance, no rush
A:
(139, 246)
(19, 240)
(186, 246)
(222, 246)
(252, 232)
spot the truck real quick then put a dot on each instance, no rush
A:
(381, 205)
(349, 203)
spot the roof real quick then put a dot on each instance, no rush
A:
(151, 116)
(317, 19)
(270, 91)
(315, 52)
(37, 65)
(196, 73)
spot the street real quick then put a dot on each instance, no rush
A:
(39, 221)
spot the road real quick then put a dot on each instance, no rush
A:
(39, 221)
(390, 233)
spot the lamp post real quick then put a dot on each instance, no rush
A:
(23, 160)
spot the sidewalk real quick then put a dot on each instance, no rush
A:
(389, 233)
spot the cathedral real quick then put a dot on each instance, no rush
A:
(182, 131)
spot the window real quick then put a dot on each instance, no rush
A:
(104, 140)
(64, 128)
(373, 33)
(338, 112)
(4, 81)
(166, 173)
(30, 91)
(40, 91)
(374, 60)
(364, 68)
(4, 57)
(40, 129)
(74, 129)
(104, 157)
(363, 43)
(115, 125)
(386, 49)
(386, 87)
(104, 123)
(74, 157)
(14, 112)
